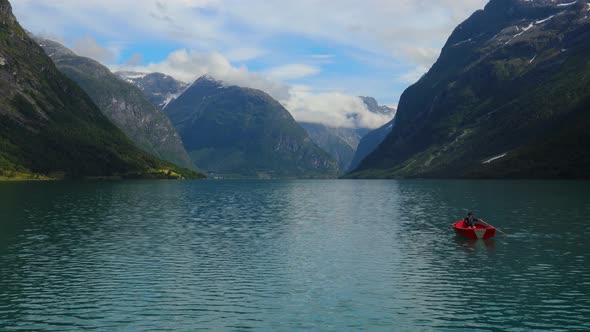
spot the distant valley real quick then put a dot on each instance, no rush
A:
(343, 143)
(340, 143)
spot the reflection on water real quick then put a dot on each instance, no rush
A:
(472, 245)
(292, 255)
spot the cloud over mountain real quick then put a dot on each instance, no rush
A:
(331, 109)
(338, 49)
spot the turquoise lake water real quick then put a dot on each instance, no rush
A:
(293, 255)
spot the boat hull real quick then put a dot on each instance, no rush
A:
(480, 231)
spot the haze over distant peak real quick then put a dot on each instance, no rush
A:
(330, 109)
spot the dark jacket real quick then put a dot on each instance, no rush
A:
(470, 221)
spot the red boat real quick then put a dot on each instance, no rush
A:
(480, 231)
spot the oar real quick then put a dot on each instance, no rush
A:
(483, 221)
(444, 230)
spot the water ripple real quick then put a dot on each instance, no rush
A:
(292, 255)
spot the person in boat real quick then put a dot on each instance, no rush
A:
(470, 220)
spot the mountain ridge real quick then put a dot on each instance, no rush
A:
(369, 142)
(509, 82)
(159, 88)
(50, 128)
(122, 102)
(236, 131)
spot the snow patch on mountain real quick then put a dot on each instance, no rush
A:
(567, 4)
(533, 59)
(546, 19)
(495, 158)
(169, 98)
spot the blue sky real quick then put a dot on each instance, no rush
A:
(298, 51)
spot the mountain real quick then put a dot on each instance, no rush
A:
(50, 128)
(123, 103)
(342, 143)
(372, 139)
(238, 131)
(369, 143)
(509, 97)
(160, 89)
(374, 107)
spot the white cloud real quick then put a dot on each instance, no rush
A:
(331, 109)
(135, 60)
(293, 71)
(322, 56)
(379, 26)
(245, 54)
(88, 47)
(188, 65)
(192, 3)
(414, 75)
(422, 56)
(406, 33)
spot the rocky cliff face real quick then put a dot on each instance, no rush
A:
(244, 132)
(508, 97)
(49, 126)
(123, 103)
(374, 107)
(160, 89)
(369, 143)
(340, 143)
